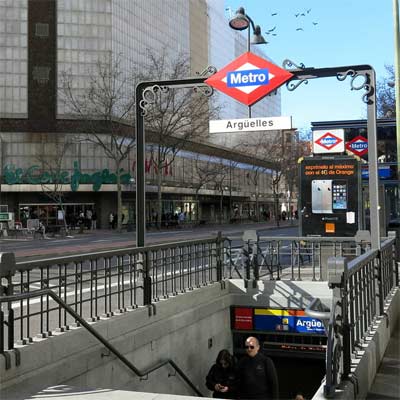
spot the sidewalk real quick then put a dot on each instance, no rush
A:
(386, 385)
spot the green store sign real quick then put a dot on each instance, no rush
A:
(34, 175)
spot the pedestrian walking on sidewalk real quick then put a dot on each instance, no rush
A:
(111, 220)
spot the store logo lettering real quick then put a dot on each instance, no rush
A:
(35, 176)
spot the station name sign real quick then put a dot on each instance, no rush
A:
(250, 124)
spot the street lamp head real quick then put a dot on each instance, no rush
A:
(239, 21)
(257, 37)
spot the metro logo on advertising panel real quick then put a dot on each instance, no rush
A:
(328, 141)
(358, 146)
(249, 78)
(331, 141)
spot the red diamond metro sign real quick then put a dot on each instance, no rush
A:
(358, 146)
(249, 78)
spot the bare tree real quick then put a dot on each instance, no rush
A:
(205, 170)
(175, 116)
(220, 182)
(52, 159)
(282, 149)
(253, 178)
(106, 110)
(386, 102)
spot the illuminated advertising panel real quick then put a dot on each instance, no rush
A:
(329, 195)
(285, 320)
(275, 320)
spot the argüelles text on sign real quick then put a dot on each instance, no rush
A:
(250, 124)
(257, 123)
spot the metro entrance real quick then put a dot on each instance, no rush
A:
(295, 342)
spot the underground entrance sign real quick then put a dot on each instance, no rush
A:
(331, 141)
(275, 320)
(249, 78)
(358, 146)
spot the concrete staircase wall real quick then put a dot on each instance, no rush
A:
(189, 328)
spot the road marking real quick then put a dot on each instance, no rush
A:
(167, 233)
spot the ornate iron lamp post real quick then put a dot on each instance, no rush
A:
(241, 21)
(397, 82)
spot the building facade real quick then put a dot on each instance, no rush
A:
(41, 41)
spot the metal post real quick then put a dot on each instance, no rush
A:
(140, 171)
(147, 295)
(248, 49)
(397, 84)
(219, 244)
(373, 166)
(141, 104)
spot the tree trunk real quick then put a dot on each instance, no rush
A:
(276, 196)
(119, 200)
(221, 206)
(196, 197)
(64, 218)
(159, 196)
(257, 209)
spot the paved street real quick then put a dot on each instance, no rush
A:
(108, 239)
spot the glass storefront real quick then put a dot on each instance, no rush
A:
(51, 214)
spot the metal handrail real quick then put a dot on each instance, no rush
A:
(100, 338)
(317, 310)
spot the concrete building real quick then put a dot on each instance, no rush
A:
(41, 41)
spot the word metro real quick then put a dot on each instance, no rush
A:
(253, 77)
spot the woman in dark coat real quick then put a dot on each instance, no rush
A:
(221, 378)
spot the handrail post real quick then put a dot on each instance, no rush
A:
(249, 237)
(339, 328)
(219, 244)
(379, 280)
(256, 264)
(146, 278)
(7, 271)
(346, 324)
(396, 252)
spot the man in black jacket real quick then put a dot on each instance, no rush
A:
(257, 374)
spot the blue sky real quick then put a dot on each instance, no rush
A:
(346, 33)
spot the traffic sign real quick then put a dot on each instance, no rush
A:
(249, 78)
(358, 146)
(328, 141)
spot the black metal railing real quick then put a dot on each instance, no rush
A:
(293, 258)
(360, 288)
(100, 284)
